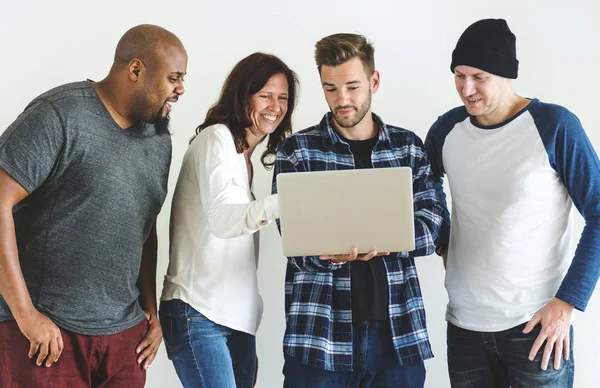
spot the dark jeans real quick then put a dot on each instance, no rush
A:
(501, 360)
(375, 364)
(206, 354)
(107, 361)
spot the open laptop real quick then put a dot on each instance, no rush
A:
(330, 212)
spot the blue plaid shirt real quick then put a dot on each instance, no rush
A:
(317, 293)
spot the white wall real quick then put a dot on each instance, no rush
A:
(45, 44)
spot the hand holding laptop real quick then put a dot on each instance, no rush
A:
(341, 259)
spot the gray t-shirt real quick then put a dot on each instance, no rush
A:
(95, 191)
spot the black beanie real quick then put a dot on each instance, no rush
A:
(488, 45)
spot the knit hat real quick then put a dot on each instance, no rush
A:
(488, 45)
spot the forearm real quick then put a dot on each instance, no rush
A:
(579, 283)
(233, 220)
(12, 284)
(428, 208)
(428, 222)
(313, 264)
(424, 238)
(147, 276)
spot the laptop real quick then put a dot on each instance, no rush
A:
(330, 212)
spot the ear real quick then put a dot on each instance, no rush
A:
(135, 69)
(375, 79)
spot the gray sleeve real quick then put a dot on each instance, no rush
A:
(30, 147)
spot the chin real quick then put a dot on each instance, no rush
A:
(473, 111)
(268, 130)
(161, 125)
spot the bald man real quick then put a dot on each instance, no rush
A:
(83, 172)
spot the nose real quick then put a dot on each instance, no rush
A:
(274, 105)
(468, 88)
(341, 97)
(180, 89)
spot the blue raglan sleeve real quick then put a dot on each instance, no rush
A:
(434, 143)
(572, 155)
(287, 161)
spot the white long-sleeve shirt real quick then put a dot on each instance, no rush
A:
(213, 233)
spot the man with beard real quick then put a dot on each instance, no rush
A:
(357, 319)
(83, 172)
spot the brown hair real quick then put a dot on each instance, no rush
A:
(333, 50)
(247, 78)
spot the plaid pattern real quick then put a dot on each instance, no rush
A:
(317, 293)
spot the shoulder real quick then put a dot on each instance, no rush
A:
(551, 113)
(65, 102)
(311, 137)
(49, 112)
(553, 120)
(448, 120)
(215, 135)
(436, 136)
(399, 134)
(64, 96)
(213, 145)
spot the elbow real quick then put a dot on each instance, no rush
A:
(217, 228)
(219, 233)
(230, 226)
(426, 250)
(429, 250)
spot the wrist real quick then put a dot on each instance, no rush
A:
(565, 305)
(24, 312)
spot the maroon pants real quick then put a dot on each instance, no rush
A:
(86, 361)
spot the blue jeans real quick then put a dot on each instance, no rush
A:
(374, 359)
(205, 354)
(501, 360)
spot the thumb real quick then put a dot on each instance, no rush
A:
(531, 324)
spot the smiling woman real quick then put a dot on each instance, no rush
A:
(210, 305)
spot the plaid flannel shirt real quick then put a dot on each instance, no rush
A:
(317, 293)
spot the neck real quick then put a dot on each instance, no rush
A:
(512, 105)
(364, 130)
(253, 141)
(113, 99)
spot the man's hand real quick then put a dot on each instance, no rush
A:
(147, 349)
(341, 259)
(43, 335)
(555, 318)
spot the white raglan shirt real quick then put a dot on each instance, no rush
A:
(513, 187)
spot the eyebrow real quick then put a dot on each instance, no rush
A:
(283, 94)
(179, 73)
(347, 83)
